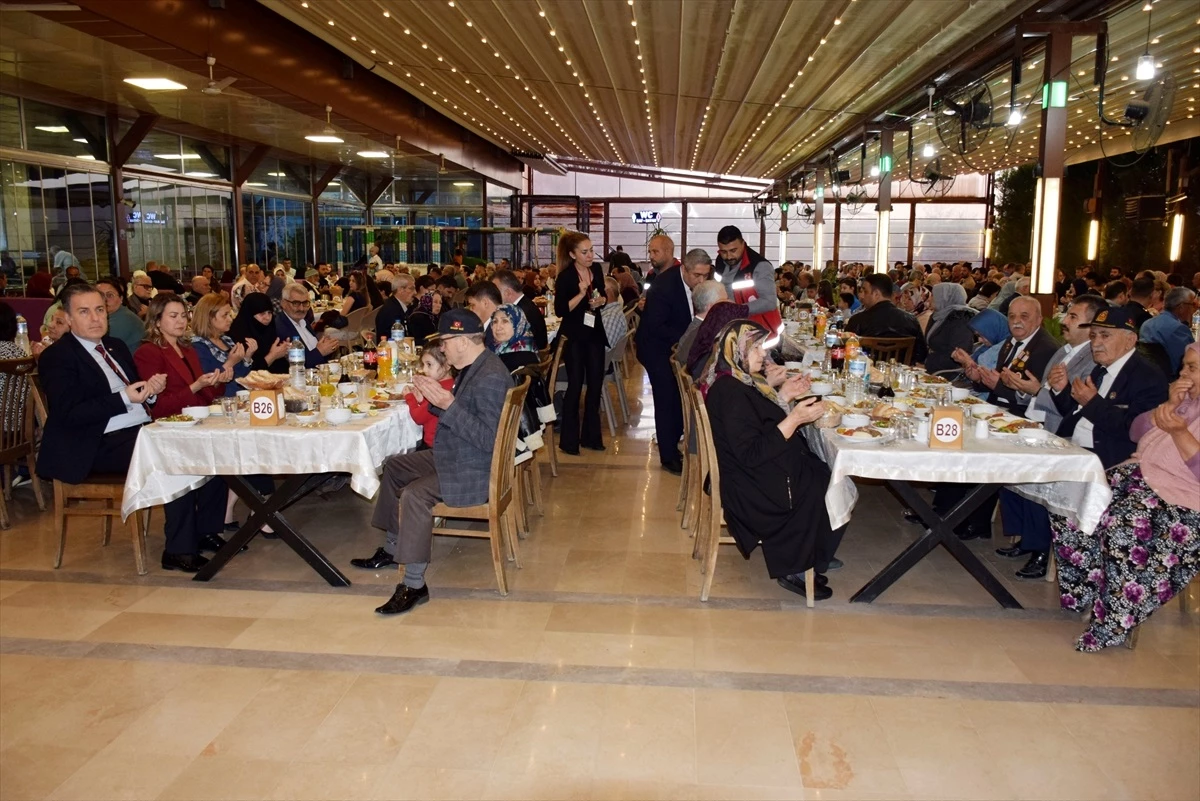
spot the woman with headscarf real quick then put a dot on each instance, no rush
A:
(719, 315)
(275, 292)
(255, 322)
(511, 338)
(772, 486)
(423, 322)
(1147, 546)
(949, 326)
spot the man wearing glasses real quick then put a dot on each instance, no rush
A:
(294, 323)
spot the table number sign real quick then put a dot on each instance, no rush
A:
(266, 407)
(946, 428)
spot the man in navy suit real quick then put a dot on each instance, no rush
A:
(667, 315)
(294, 323)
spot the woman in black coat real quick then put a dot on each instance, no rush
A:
(772, 486)
(949, 327)
(578, 296)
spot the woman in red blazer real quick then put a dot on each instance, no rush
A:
(167, 350)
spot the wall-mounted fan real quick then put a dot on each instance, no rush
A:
(935, 183)
(855, 201)
(964, 118)
(806, 214)
(1147, 115)
(216, 87)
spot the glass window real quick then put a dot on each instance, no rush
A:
(163, 153)
(281, 176)
(203, 160)
(50, 129)
(10, 122)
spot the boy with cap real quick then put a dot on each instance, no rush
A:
(456, 470)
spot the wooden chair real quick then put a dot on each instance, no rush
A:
(883, 348)
(614, 376)
(18, 398)
(529, 471)
(712, 516)
(107, 491)
(632, 319)
(549, 368)
(688, 500)
(499, 511)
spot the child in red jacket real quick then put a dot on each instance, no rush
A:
(434, 365)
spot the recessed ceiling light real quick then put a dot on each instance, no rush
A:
(177, 156)
(334, 183)
(156, 84)
(55, 129)
(277, 174)
(373, 154)
(464, 183)
(255, 183)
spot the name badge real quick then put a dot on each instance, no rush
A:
(589, 319)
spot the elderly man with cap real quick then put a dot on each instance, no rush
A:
(456, 470)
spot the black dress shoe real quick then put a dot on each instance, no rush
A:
(232, 527)
(1013, 551)
(821, 592)
(599, 446)
(569, 451)
(186, 562)
(970, 532)
(380, 560)
(215, 542)
(1036, 567)
(674, 468)
(404, 599)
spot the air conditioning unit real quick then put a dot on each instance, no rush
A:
(540, 162)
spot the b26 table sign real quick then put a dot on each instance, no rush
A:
(946, 428)
(266, 407)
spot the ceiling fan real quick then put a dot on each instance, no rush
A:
(216, 87)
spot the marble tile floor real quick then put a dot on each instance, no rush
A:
(601, 675)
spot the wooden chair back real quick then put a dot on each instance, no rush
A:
(883, 348)
(499, 510)
(16, 408)
(550, 363)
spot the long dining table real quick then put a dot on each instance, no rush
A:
(1066, 479)
(169, 461)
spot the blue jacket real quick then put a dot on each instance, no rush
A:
(466, 432)
(1139, 387)
(1169, 331)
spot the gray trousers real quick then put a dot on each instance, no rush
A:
(404, 509)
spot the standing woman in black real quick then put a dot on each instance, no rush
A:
(578, 296)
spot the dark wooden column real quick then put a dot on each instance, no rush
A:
(119, 152)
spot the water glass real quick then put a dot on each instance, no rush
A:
(229, 406)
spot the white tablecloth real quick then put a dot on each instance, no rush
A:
(168, 462)
(1069, 482)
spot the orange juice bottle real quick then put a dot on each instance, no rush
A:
(383, 361)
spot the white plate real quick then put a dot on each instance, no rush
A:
(861, 440)
(178, 424)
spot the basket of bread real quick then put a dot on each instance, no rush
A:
(262, 379)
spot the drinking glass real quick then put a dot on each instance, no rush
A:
(229, 406)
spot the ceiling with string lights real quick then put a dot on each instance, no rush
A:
(717, 86)
(730, 86)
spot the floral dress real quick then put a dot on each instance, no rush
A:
(1142, 554)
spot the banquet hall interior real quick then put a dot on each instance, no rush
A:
(613, 642)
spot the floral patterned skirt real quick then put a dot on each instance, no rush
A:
(1142, 554)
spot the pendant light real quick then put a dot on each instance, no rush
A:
(1145, 62)
(327, 135)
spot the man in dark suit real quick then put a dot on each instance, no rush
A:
(397, 306)
(97, 403)
(666, 317)
(513, 292)
(882, 318)
(1027, 350)
(294, 323)
(456, 470)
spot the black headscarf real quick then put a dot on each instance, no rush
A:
(245, 328)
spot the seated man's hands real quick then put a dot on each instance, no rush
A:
(1058, 377)
(431, 390)
(326, 345)
(987, 376)
(138, 391)
(1021, 382)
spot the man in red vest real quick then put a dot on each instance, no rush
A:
(748, 277)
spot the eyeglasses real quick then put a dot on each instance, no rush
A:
(299, 302)
(143, 286)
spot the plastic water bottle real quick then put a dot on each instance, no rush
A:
(22, 339)
(383, 360)
(1195, 325)
(296, 363)
(550, 304)
(397, 331)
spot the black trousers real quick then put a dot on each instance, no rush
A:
(585, 367)
(188, 518)
(947, 496)
(668, 408)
